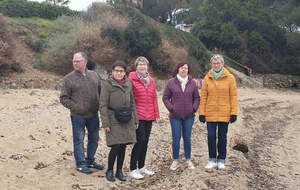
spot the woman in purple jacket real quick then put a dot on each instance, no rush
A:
(181, 98)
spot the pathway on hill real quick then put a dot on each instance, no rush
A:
(247, 81)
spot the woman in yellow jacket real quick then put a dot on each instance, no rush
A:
(218, 107)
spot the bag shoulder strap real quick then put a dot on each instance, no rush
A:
(110, 108)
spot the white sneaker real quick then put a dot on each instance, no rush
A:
(174, 165)
(221, 165)
(144, 170)
(190, 165)
(135, 174)
(211, 164)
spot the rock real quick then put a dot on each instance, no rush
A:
(240, 145)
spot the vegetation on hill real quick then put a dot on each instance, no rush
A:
(29, 9)
(264, 35)
(249, 33)
(110, 32)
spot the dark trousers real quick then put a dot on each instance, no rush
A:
(215, 147)
(139, 151)
(116, 151)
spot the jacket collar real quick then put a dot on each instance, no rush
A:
(225, 73)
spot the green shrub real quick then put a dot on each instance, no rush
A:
(27, 9)
(38, 64)
(106, 17)
(140, 41)
(16, 67)
(115, 36)
(34, 31)
(40, 45)
(181, 38)
(140, 38)
(67, 35)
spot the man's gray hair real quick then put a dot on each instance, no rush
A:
(84, 55)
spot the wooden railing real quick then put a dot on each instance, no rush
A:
(241, 65)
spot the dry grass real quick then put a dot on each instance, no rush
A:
(167, 57)
(105, 16)
(6, 45)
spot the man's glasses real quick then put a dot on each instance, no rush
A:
(77, 61)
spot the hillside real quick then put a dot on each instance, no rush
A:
(49, 46)
(25, 55)
(43, 48)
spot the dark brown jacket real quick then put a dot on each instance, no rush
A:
(81, 93)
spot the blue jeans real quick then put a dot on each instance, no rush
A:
(217, 155)
(183, 126)
(78, 129)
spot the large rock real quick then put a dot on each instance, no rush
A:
(239, 144)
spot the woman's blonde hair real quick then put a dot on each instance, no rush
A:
(141, 59)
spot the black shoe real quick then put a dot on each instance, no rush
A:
(110, 175)
(95, 165)
(120, 176)
(83, 169)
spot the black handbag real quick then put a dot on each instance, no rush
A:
(122, 115)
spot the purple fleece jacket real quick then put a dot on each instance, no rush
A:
(181, 104)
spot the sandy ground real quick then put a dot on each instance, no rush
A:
(36, 147)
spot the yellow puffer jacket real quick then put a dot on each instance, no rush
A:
(218, 98)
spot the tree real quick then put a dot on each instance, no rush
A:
(287, 14)
(136, 3)
(160, 9)
(58, 2)
(246, 31)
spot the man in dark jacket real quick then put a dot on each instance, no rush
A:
(80, 93)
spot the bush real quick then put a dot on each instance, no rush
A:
(137, 37)
(140, 41)
(71, 35)
(115, 36)
(67, 34)
(40, 45)
(180, 38)
(105, 16)
(38, 64)
(16, 67)
(27, 9)
(34, 31)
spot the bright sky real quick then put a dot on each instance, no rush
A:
(78, 5)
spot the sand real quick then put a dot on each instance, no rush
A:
(36, 146)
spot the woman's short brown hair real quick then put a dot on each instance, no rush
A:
(120, 64)
(180, 65)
